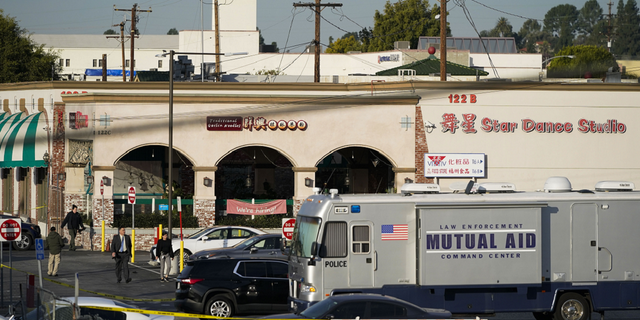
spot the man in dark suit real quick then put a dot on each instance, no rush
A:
(121, 251)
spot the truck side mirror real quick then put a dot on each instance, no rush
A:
(314, 249)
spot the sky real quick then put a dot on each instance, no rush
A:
(276, 18)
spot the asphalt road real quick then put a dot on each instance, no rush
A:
(96, 272)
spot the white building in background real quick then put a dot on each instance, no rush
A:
(239, 33)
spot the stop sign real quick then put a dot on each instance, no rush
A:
(132, 195)
(10, 230)
(287, 228)
(101, 187)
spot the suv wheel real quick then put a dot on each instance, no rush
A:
(26, 240)
(219, 306)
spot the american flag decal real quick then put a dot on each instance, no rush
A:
(395, 232)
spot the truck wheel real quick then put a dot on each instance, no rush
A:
(219, 306)
(25, 242)
(572, 306)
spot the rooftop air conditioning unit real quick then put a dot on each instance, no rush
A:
(502, 187)
(419, 188)
(401, 45)
(606, 186)
(557, 184)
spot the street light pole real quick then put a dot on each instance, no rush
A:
(170, 175)
(170, 182)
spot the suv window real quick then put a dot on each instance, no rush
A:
(388, 310)
(252, 269)
(350, 310)
(278, 270)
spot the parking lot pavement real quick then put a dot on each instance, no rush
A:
(96, 272)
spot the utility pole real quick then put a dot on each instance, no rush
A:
(609, 27)
(443, 40)
(217, 35)
(317, 8)
(121, 24)
(104, 67)
(133, 35)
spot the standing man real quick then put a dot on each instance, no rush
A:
(54, 244)
(121, 251)
(73, 221)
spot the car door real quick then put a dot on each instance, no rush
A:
(266, 247)
(253, 293)
(217, 238)
(384, 310)
(279, 273)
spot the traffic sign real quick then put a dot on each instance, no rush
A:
(101, 187)
(40, 249)
(132, 195)
(163, 207)
(287, 228)
(10, 229)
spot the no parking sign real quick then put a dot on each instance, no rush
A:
(10, 229)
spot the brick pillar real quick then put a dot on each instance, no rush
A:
(421, 148)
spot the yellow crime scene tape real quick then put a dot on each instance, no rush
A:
(164, 313)
(112, 296)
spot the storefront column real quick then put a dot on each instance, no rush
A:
(302, 190)
(403, 175)
(103, 173)
(204, 199)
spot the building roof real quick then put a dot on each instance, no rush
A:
(87, 41)
(431, 65)
(492, 44)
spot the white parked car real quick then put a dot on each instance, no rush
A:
(210, 238)
(64, 311)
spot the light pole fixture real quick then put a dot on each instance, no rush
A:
(207, 182)
(308, 182)
(171, 53)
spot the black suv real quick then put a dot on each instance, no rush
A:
(225, 287)
(30, 232)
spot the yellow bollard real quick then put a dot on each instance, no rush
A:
(102, 236)
(133, 246)
(160, 232)
(181, 255)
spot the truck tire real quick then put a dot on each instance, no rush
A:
(219, 306)
(572, 306)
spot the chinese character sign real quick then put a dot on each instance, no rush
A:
(454, 165)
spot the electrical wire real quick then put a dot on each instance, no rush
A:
(467, 14)
(507, 13)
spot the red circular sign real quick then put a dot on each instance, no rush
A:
(10, 229)
(101, 187)
(287, 228)
(132, 195)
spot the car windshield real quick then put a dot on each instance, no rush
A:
(319, 309)
(198, 234)
(305, 234)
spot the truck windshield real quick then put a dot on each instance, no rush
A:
(305, 233)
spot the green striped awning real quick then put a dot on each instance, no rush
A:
(23, 141)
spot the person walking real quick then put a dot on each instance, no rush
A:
(164, 251)
(121, 252)
(54, 244)
(73, 221)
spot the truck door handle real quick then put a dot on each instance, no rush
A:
(375, 260)
(593, 243)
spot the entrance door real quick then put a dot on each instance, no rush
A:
(361, 259)
(584, 242)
